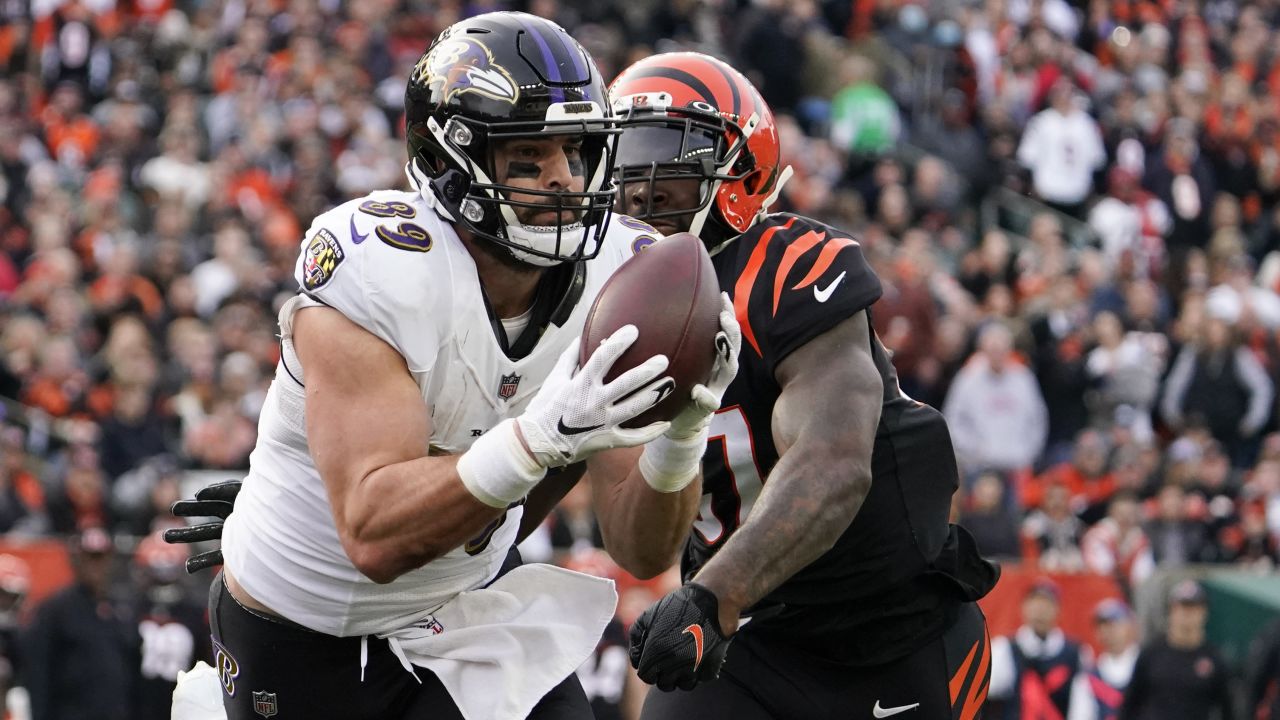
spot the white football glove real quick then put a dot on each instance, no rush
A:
(573, 416)
(705, 399)
(671, 462)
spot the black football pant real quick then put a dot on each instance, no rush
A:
(764, 679)
(272, 668)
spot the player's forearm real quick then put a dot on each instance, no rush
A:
(402, 516)
(644, 529)
(811, 497)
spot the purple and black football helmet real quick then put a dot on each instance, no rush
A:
(506, 75)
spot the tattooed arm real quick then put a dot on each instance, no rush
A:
(822, 475)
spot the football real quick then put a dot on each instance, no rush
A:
(669, 292)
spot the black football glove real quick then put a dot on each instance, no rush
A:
(677, 642)
(214, 500)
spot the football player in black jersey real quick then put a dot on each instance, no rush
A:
(826, 490)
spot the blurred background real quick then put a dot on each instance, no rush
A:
(1073, 207)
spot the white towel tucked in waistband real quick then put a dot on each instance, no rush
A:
(498, 650)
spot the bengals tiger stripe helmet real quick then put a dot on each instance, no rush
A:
(688, 116)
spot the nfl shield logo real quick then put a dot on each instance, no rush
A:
(508, 386)
(264, 703)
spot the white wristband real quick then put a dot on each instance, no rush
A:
(670, 465)
(497, 469)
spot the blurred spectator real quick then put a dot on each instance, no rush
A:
(994, 398)
(771, 46)
(573, 526)
(991, 263)
(80, 654)
(1216, 381)
(141, 498)
(217, 278)
(1038, 672)
(606, 676)
(22, 497)
(1131, 222)
(177, 172)
(1264, 486)
(1180, 675)
(1085, 476)
(1175, 538)
(953, 137)
(1052, 533)
(173, 629)
(1250, 543)
(1062, 147)
(1060, 334)
(1125, 369)
(1044, 257)
(59, 386)
(906, 313)
(1239, 299)
(81, 502)
(989, 516)
(1112, 670)
(1262, 700)
(1117, 546)
(864, 119)
(1185, 183)
(15, 584)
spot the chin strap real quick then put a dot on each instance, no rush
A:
(783, 177)
(422, 183)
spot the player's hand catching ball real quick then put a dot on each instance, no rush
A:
(671, 462)
(577, 413)
(677, 642)
(705, 399)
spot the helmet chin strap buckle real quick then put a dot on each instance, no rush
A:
(427, 189)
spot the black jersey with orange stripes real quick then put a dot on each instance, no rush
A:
(894, 579)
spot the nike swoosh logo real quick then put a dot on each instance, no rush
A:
(570, 430)
(356, 237)
(665, 388)
(696, 631)
(888, 712)
(825, 294)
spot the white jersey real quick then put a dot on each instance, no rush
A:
(390, 264)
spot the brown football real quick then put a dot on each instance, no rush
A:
(669, 292)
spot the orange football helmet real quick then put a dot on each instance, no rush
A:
(686, 115)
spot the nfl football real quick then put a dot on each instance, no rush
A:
(670, 293)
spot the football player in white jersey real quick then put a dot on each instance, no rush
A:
(428, 382)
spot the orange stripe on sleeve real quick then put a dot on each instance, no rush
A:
(970, 711)
(802, 245)
(825, 258)
(747, 280)
(978, 690)
(957, 680)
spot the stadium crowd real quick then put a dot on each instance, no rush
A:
(1106, 353)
